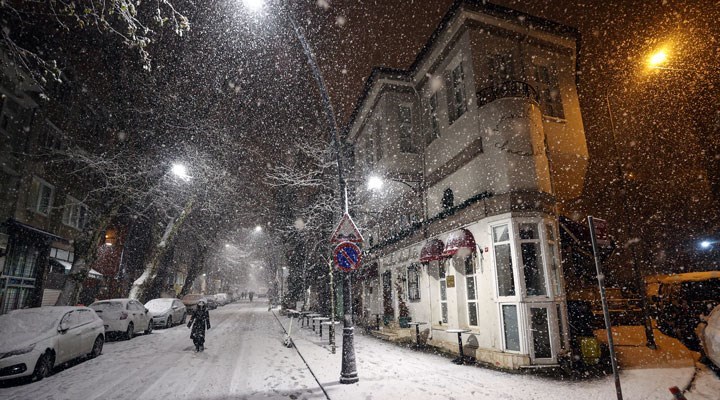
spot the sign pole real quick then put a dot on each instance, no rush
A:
(606, 312)
(332, 308)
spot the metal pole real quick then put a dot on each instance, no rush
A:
(331, 331)
(349, 369)
(639, 281)
(606, 312)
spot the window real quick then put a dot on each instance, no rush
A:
(369, 150)
(549, 91)
(448, 200)
(41, 196)
(75, 214)
(553, 257)
(378, 143)
(540, 329)
(434, 120)
(501, 68)
(511, 331)
(405, 128)
(457, 102)
(443, 292)
(413, 283)
(533, 268)
(503, 261)
(471, 288)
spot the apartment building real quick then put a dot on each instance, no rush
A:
(478, 143)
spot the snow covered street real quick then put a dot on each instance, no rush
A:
(245, 359)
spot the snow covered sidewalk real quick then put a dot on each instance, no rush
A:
(389, 371)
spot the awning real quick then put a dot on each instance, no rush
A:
(432, 250)
(31, 231)
(460, 239)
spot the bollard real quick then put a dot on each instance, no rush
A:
(677, 394)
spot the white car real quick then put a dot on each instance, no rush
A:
(35, 340)
(126, 316)
(710, 336)
(166, 312)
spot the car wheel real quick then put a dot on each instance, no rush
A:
(97, 347)
(149, 327)
(129, 333)
(169, 324)
(44, 366)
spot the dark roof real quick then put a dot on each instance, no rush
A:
(479, 5)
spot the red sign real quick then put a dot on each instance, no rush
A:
(602, 232)
(347, 256)
(346, 231)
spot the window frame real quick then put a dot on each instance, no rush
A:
(473, 277)
(547, 79)
(434, 108)
(541, 260)
(73, 215)
(42, 184)
(458, 103)
(413, 272)
(442, 281)
(405, 129)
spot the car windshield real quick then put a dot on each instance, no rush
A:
(28, 321)
(159, 305)
(107, 306)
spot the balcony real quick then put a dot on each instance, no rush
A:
(507, 89)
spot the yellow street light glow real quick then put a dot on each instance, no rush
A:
(658, 58)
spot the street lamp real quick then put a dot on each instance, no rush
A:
(180, 171)
(258, 229)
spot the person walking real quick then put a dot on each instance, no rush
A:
(250, 295)
(199, 320)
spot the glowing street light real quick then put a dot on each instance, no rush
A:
(657, 59)
(254, 5)
(258, 229)
(375, 182)
(180, 171)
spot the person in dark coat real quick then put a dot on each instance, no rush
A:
(199, 320)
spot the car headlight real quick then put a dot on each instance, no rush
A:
(17, 352)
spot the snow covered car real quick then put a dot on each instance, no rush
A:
(211, 302)
(191, 300)
(125, 316)
(682, 301)
(165, 312)
(35, 340)
(709, 333)
(222, 299)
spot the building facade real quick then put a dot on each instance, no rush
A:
(478, 143)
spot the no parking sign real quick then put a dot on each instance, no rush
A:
(347, 256)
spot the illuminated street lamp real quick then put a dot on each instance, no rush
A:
(348, 372)
(258, 229)
(657, 59)
(180, 171)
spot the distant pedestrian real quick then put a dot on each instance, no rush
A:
(250, 295)
(199, 320)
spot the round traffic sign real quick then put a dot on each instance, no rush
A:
(347, 256)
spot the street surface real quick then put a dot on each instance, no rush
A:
(245, 359)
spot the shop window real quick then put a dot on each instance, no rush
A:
(413, 283)
(471, 290)
(533, 268)
(511, 331)
(443, 292)
(503, 261)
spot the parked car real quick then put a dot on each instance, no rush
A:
(165, 312)
(709, 334)
(190, 301)
(33, 341)
(683, 300)
(211, 302)
(124, 316)
(222, 299)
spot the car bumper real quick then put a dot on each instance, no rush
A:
(18, 366)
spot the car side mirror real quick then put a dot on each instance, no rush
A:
(63, 327)
(175, 307)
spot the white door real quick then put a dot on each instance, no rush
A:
(70, 339)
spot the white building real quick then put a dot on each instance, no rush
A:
(478, 142)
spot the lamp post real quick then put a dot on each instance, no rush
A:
(639, 281)
(348, 372)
